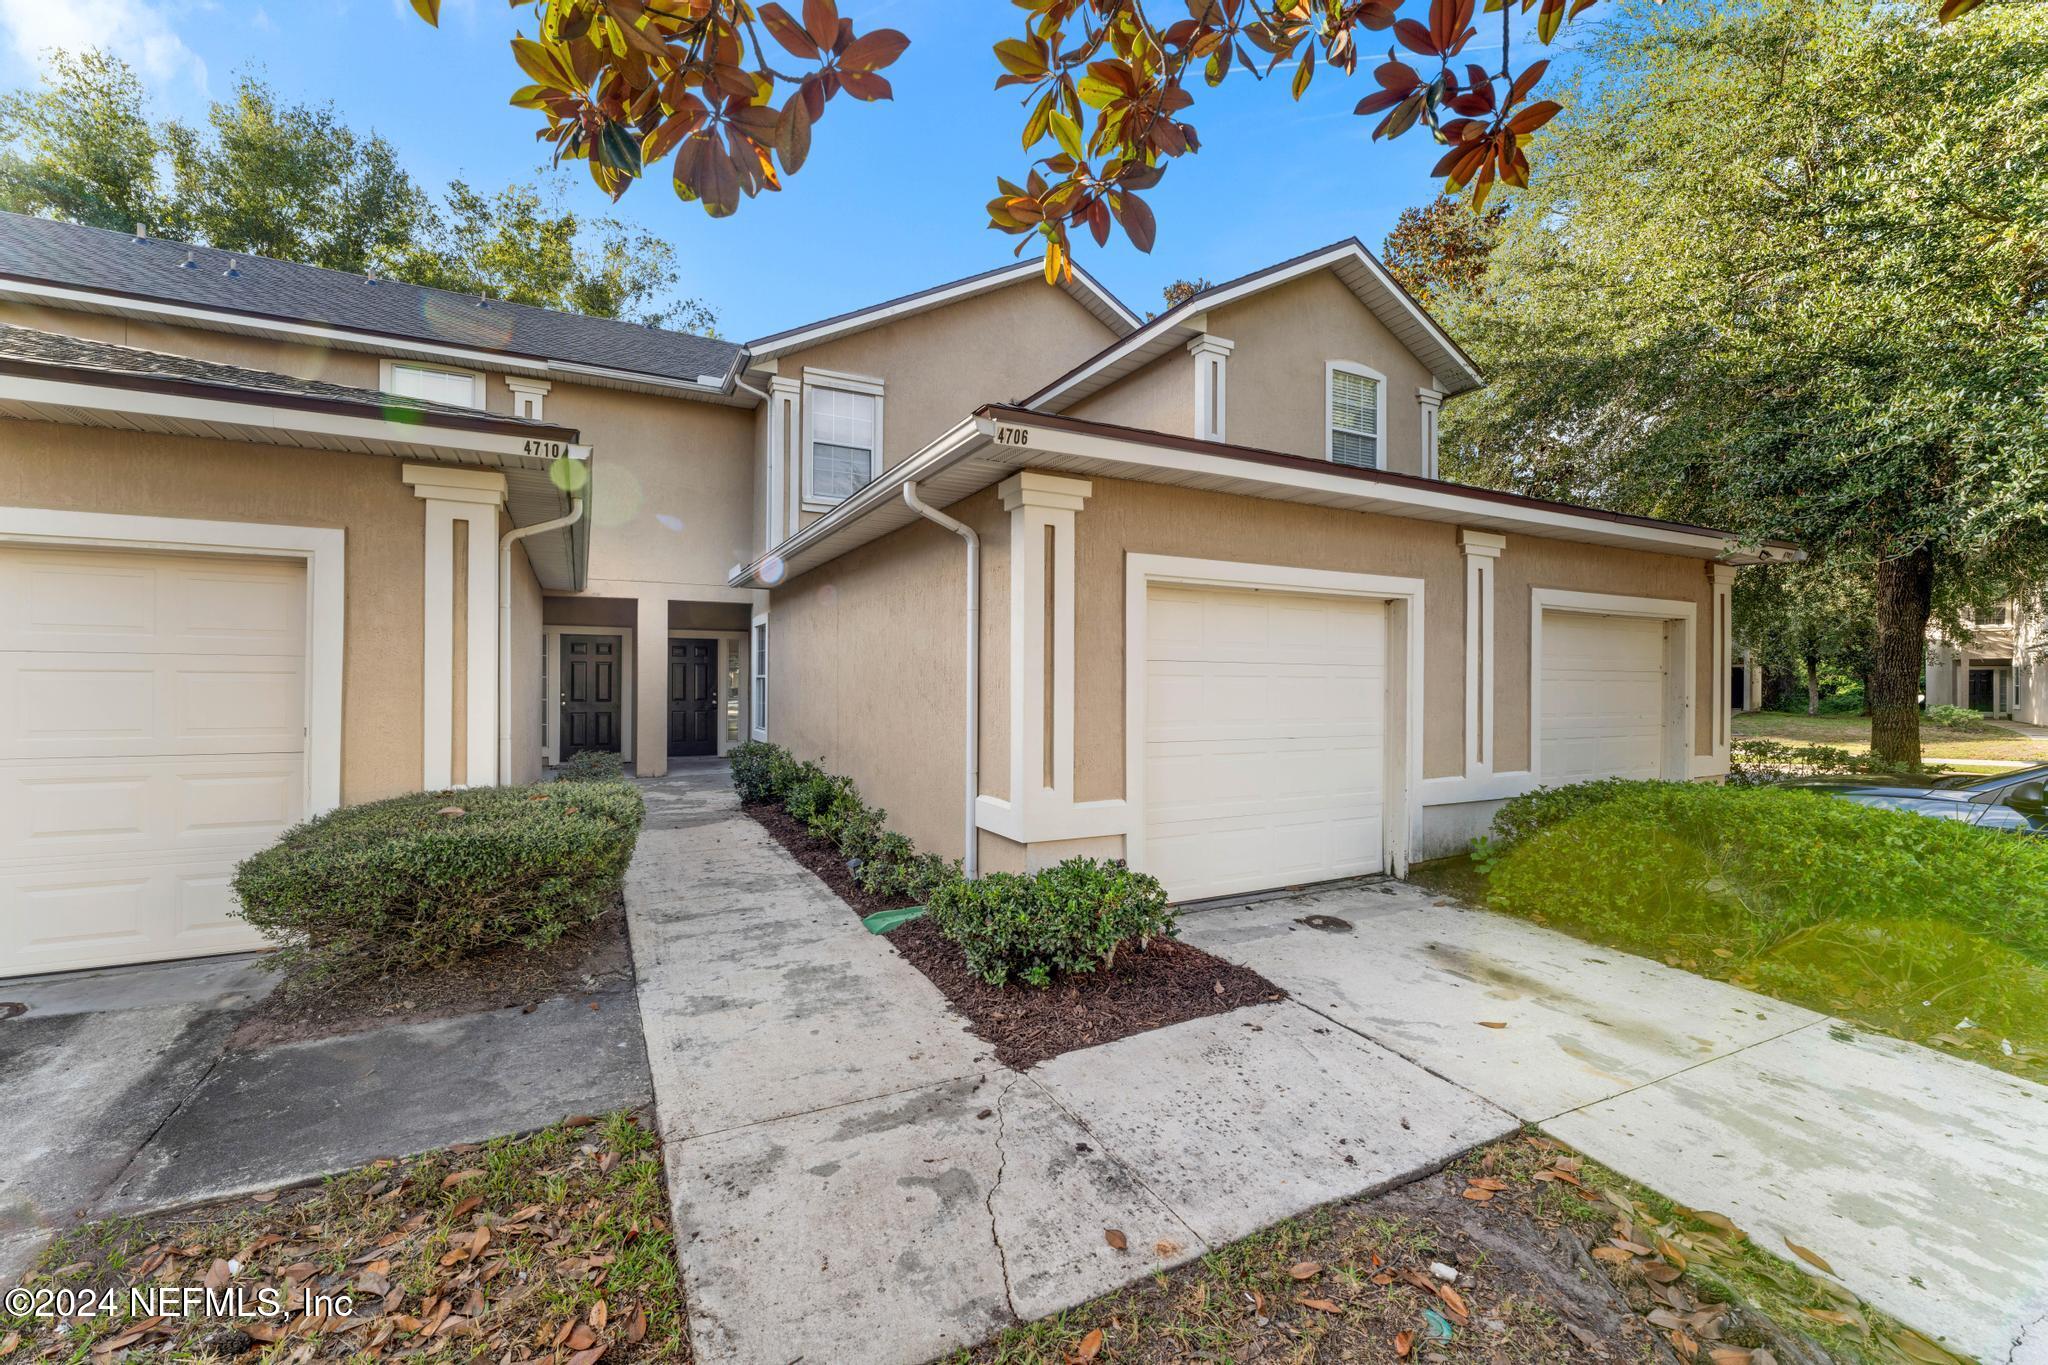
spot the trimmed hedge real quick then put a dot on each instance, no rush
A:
(1745, 868)
(884, 863)
(1069, 918)
(419, 881)
(1760, 762)
(591, 765)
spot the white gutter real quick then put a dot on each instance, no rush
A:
(973, 700)
(575, 514)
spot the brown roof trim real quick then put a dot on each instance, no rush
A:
(1196, 302)
(277, 398)
(1253, 455)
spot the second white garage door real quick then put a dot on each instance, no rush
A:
(152, 733)
(1264, 743)
(1604, 697)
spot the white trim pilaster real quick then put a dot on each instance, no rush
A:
(472, 496)
(782, 494)
(1429, 403)
(1211, 355)
(1723, 654)
(1481, 549)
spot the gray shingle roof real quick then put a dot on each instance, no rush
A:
(39, 250)
(25, 350)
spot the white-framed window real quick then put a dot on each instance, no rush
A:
(1355, 416)
(842, 436)
(433, 383)
(759, 695)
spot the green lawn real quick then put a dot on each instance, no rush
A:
(1853, 733)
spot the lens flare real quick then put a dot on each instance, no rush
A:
(669, 521)
(772, 570)
(571, 476)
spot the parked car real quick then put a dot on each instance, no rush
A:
(2016, 801)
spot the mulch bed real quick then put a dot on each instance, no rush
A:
(1167, 984)
(590, 957)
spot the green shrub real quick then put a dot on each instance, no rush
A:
(1957, 718)
(1761, 762)
(1695, 867)
(1069, 918)
(591, 765)
(884, 863)
(1521, 816)
(759, 770)
(416, 882)
(811, 798)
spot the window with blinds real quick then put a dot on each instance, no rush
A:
(841, 455)
(1354, 407)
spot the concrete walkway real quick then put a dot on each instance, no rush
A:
(856, 1180)
(1921, 1178)
(117, 1096)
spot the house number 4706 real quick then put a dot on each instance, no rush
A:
(1013, 436)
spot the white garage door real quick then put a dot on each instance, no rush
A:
(152, 733)
(1265, 725)
(1603, 697)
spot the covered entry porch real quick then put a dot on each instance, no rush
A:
(651, 680)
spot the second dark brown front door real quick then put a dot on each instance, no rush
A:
(692, 697)
(590, 694)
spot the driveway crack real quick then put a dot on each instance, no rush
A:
(2026, 1329)
(1002, 1165)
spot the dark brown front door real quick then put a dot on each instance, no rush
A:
(590, 694)
(692, 697)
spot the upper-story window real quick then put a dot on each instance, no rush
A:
(434, 384)
(842, 436)
(1355, 416)
(1994, 615)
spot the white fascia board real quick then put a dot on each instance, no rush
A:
(257, 416)
(773, 345)
(315, 334)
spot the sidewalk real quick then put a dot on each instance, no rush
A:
(856, 1180)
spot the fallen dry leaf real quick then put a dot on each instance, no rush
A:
(216, 1275)
(636, 1325)
(1486, 1182)
(1162, 1247)
(1478, 1193)
(1493, 1023)
(9, 1343)
(1305, 1270)
(1320, 1305)
(580, 1336)
(1453, 1300)
(449, 1182)
(1404, 1342)
(469, 1205)
(1115, 1237)
(1729, 1355)
(599, 1315)
(589, 1357)
(1811, 1258)
(1090, 1347)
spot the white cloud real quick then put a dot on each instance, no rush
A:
(141, 32)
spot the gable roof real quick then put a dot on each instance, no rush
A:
(1348, 259)
(119, 266)
(1083, 288)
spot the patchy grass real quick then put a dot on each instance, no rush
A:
(1852, 732)
(551, 1247)
(1555, 1259)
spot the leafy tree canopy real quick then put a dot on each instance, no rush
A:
(1768, 280)
(295, 182)
(733, 89)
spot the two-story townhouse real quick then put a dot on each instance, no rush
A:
(1994, 665)
(1042, 577)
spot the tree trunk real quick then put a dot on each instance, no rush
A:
(1812, 685)
(1905, 596)
(1865, 675)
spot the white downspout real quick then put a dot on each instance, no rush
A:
(966, 533)
(505, 627)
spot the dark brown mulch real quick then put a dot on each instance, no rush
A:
(591, 957)
(1166, 984)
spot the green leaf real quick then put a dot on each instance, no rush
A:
(429, 10)
(1067, 133)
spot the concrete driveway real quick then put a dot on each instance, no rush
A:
(1921, 1178)
(117, 1096)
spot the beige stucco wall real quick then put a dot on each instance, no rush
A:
(526, 671)
(937, 367)
(1276, 386)
(1124, 517)
(867, 670)
(141, 474)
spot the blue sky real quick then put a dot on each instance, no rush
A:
(891, 200)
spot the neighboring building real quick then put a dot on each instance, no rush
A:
(1998, 665)
(277, 538)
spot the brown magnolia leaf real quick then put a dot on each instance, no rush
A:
(1305, 1270)
(216, 1275)
(1728, 1355)
(1453, 1300)
(1486, 1182)
(467, 1206)
(451, 811)
(1829, 1315)
(1613, 1255)
(599, 1315)
(589, 1357)
(1320, 1305)
(1383, 1279)
(1477, 1194)
(1907, 1340)
(9, 1344)
(1115, 1237)
(1404, 1342)
(449, 1182)
(1811, 1258)
(1090, 1347)
(580, 1336)
(1493, 1023)
(636, 1325)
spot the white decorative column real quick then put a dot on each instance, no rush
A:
(1211, 388)
(1723, 652)
(1430, 402)
(785, 474)
(472, 497)
(529, 396)
(1481, 549)
(650, 686)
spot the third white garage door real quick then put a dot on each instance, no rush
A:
(152, 733)
(1604, 697)
(1264, 739)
